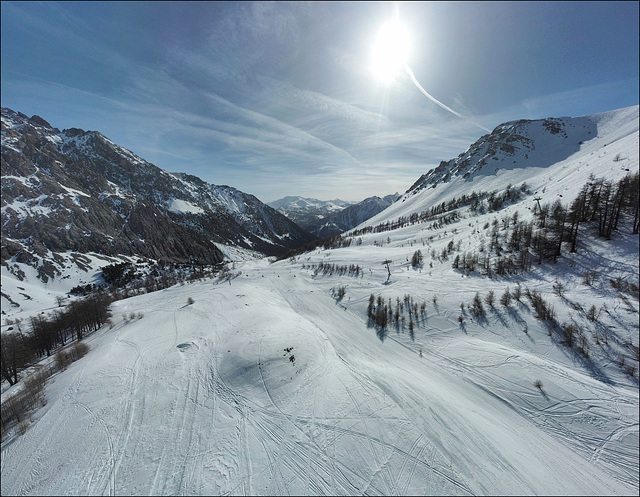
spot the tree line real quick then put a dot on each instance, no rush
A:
(439, 215)
(330, 269)
(446, 212)
(512, 245)
(48, 333)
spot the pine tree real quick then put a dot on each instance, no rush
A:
(490, 298)
(505, 300)
(476, 306)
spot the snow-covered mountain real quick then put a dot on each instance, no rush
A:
(306, 212)
(352, 216)
(77, 190)
(478, 336)
(551, 155)
(331, 217)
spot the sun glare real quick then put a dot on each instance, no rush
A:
(390, 51)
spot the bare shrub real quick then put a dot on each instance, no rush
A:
(537, 384)
(62, 360)
(34, 388)
(78, 351)
(558, 288)
(589, 277)
(22, 426)
(14, 409)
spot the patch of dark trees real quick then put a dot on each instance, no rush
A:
(331, 269)
(381, 314)
(447, 212)
(127, 279)
(49, 333)
(46, 334)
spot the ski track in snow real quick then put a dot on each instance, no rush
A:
(202, 398)
(208, 406)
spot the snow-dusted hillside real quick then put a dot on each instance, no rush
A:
(308, 213)
(326, 218)
(277, 382)
(553, 160)
(292, 204)
(73, 195)
(353, 215)
(77, 190)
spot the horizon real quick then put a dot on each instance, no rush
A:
(248, 93)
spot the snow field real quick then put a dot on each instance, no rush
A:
(203, 399)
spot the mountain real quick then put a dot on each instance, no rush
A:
(308, 213)
(328, 218)
(551, 155)
(77, 190)
(441, 347)
(352, 216)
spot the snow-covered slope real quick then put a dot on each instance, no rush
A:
(554, 157)
(277, 382)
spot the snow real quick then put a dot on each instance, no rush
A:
(232, 253)
(31, 207)
(203, 398)
(231, 199)
(75, 193)
(184, 207)
(36, 296)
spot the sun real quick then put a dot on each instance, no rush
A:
(390, 51)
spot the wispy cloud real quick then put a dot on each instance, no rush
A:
(277, 98)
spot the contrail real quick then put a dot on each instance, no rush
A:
(436, 101)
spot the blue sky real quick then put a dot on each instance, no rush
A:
(279, 98)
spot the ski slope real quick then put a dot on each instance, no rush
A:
(202, 398)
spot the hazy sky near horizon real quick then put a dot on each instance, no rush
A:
(279, 98)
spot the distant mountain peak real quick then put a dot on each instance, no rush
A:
(325, 218)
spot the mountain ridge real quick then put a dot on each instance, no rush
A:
(484, 173)
(89, 194)
(331, 217)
